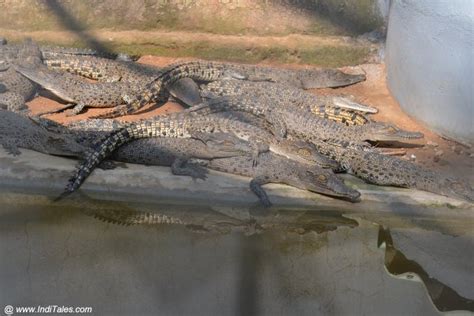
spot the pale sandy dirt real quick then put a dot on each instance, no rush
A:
(455, 160)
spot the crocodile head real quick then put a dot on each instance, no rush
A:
(325, 182)
(221, 145)
(302, 152)
(457, 188)
(328, 78)
(377, 131)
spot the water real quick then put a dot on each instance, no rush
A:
(229, 260)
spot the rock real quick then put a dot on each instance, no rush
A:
(412, 157)
(432, 144)
(437, 156)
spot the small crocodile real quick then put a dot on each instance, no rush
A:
(157, 90)
(220, 152)
(76, 91)
(106, 70)
(186, 125)
(16, 88)
(299, 78)
(274, 168)
(286, 118)
(379, 169)
(18, 131)
(337, 109)
(187, 69)
(82, 93)
(97, 68)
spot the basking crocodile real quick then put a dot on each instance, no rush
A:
(16, 88)
(78, 92)
(99, 68)
(286, 118)
(186, 125)
(18, 131)
(157, 90)
(274, 168)
(106, 70)
(379, 169)
(82, 93)
(299, 78)
(337, 109)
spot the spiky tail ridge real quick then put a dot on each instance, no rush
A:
(94, 158)
(197, 70)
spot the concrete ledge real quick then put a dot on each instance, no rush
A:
(36, 173)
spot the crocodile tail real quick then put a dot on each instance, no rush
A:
(158, 88)
(337, 114)
(94, 158)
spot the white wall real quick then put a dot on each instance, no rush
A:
(429, 60)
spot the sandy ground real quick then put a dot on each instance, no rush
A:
(433, 151)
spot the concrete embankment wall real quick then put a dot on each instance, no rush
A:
(430, 63)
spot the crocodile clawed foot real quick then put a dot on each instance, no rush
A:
(198, 172)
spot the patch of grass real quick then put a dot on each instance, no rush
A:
(332, 56)
(326, 56)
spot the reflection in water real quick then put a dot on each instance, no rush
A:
(208, 260)
(444, 297)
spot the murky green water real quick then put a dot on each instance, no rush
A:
(227, 261)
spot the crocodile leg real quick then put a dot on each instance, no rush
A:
(256, 187)
(182, 167)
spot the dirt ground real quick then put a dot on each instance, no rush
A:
(433, 151)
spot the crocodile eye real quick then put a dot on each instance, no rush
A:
(322, 178)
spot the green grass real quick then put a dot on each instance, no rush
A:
(325, 56)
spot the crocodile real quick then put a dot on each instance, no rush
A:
(98, 68)
(187, 125)
(106, 70)
(157, 90)
(274, 168)
(27, 133)
(76, 91)
(299, 78)
(285, 118)
(338, 109)
(81, 93)
(19, 131)
(16, 88)
(103, 69)
(384, 170)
